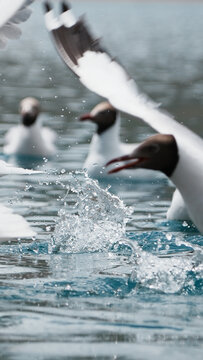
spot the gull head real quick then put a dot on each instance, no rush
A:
(104, 115)
(159, 152)
(29, 109)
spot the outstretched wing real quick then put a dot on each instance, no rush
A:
(72, 38)
(102, 74)
(12, 13)
(13, 226)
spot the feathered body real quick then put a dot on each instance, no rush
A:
(13, 226)
(30, 137)
(36, 141)
(106, 143)
(103, 75)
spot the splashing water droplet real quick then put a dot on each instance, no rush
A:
(169, 236)
(93, 221)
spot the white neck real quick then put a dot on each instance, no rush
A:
(108, 141)
(188, 177)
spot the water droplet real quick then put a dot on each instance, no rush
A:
(169, 236)
(185, 224)
(68, 287)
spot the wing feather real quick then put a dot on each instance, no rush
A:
(102, 74)
(13, 225)
(12, 13)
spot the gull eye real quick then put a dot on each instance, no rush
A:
(152, 148)
(104, 112)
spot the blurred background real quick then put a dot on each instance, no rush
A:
(160, 45)
(83, 299)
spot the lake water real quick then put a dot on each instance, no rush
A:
(105, 278)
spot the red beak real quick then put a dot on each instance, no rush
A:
(86, 117)
(129, 165)
(118, 159)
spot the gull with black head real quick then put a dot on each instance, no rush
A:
(30, 137)
(152, 154)
(106, 140)
(100, 73)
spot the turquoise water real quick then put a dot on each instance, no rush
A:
(107, 277)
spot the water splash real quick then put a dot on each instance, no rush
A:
(172, 272)
(91, 219)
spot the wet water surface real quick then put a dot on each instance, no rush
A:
(107, 276)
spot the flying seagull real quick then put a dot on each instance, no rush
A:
(102, 74)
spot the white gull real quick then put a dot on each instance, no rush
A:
(106, 143)
(100, 73)
(13, 225)
(30, 137)
(12, 13)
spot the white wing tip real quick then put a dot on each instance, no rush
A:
(51, 21)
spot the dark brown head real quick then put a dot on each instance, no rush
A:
(103, 115)
(159, 152)
(29, 110)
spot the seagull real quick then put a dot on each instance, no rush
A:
(152, 154)
(8, 169)
(30, 137)
(102, 74)
(106, 142)
(13, 225)
(12, 13)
